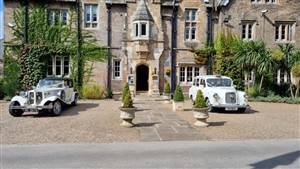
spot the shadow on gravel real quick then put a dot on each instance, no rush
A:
(216, 124)
(146, 124)
(278, 161)
(67, 110)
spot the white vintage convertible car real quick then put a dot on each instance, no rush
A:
(49, 96)
(219, 92)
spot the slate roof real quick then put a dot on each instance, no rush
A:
(142, 12)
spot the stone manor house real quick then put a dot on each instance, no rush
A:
(141, 34)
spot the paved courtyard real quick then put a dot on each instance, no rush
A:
(98, 122)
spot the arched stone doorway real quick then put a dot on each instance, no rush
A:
(142, 78)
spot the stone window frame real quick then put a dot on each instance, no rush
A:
(91, 17)
(270, 1)
(190, 24)
(52, 65)
(289, 31)
(114, 69)
(183, 70)
(247, 24)
(137, 30)
(52, 12)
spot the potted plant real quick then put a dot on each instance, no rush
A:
(178, 99)
(127, 109)
(167, 91)
(200, 110)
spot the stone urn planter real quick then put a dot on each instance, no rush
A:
(178, 106)
(127, 115)
(201, 115)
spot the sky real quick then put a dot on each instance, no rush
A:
(1, 28)
(1, 19)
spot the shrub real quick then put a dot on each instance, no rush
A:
(178, 96)
(1, 89)
(11, 82)
(296, 70)
(128, 103)
(167, 89)
(92, 91)
(200, 101)
(253, 91)
(125, 91)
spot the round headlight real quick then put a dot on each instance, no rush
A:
(216, 96)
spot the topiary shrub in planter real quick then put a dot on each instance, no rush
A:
(127, 110)
(178, 99)
(167, 91)
(200, 110)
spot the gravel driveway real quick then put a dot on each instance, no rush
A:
(89, 122)
(98, 122)
(263, 121)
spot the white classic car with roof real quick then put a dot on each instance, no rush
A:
(219, 92)
(49, 96)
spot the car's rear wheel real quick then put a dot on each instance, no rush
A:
(15, 112)
(57, 108)
(209, 105)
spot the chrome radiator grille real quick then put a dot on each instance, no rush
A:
(230, 97)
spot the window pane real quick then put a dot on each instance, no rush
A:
(277, 32)
(50, 67)
(51, 17)
(244, 31)
(117, 69)
(193, 33)
(282, 32)
(249, 31)
(187, 34)
(136, 30)
(66, 65)
(187, 15)
(64, 17)
(196, 71)
(95, 12)
(189, 74)
(87, 13)
(193, 15)
(143, 33)
(182, 74)
(58, 66)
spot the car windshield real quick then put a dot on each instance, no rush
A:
(218, 82)
(49, 83)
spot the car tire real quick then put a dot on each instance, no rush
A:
(74, 103)
(210, 108)
(14, 112)
(57, 108)
(241, 110)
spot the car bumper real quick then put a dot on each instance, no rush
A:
(33, 107)
(230, 107)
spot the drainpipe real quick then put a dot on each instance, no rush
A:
(109, 36)
(173, 47)
(79, 42)
(209, 37)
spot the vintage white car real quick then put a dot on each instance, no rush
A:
(219, 92)
(49, 96)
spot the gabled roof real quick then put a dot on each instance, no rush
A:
(142, 12)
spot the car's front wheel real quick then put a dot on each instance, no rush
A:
(209, 105)
(15, 112)
(241, 110)
(57, 108)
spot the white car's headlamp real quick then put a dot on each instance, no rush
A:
(216, 96)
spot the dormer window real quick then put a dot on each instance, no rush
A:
(142, 29)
